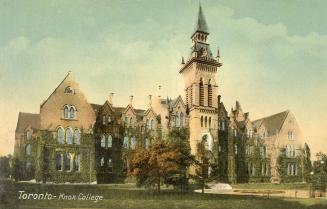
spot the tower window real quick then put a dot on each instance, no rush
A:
(209, 122)
(201, 92)
(201, 121)
(209, 95)
(205, 121)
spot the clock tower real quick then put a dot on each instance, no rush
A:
(199, 74)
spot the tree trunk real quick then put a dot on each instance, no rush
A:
(159, 184)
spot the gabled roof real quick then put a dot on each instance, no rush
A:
(27, 119)
(272, 123)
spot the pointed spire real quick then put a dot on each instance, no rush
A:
(183, 62)
(201, 24)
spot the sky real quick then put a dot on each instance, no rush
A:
(273, 53)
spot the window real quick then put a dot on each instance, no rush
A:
(133, 142)
(209, 95)
(66, 112)
(69, 90)
(28, 149)
(235, 149)
(77, 162)
(103, 141)
(131, 121)
(147, 124)
(291, 169)
(126, 121)
(201, 121)
(219, 148)
(27, 135)
(109, 119)
(126, 142)
(234, 132)
(177, 120)
(69, 136)
(110, 165)
(109, 141)
(59, 162)
(72, 112)
(181, 118)
(147, 143)
(60, 135)
(102, 161)
(290, 135)
(205, 121)
(67, 159)
(104, 120)
(263, 151)
(201, 92)
(223, 125)
(290, 151)
(77, 136)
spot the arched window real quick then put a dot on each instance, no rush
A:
(201, 92)
(59, 162)
(67, 159)
(60, 135)
(205, 121)
(181, 118)
(77, 136)
(131, 121)
(28, 149)
(235, 149)
(77, 162)
(104, 120)
(103, 141)
(223, 125)
(27, 135)
(201, 121)
(133, 142)
(152, 124)
(66, 112)
(126, 143)
(69, 136)
(209, 94)
(209, 122)
(110, 165)
(109, 119)
(72, 112)
(109, 141)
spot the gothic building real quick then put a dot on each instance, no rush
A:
(72, 140)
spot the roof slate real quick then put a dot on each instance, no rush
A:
(27, 119)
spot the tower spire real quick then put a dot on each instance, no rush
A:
(201, 23)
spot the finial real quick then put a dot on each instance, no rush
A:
(159, 91)
(131, 100)
(183, 62)
(218, 54)
(110, 98)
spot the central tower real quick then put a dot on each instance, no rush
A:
(199, 73)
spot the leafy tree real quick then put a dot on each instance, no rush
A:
(178, 141)
(5, 169)
(152, 166)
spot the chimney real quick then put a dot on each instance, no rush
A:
(150, 100)
(110, 98)
(131, 100)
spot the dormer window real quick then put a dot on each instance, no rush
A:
(69, 90)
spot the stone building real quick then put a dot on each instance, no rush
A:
(71, 140)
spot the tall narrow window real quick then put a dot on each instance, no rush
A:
(110, 141)
(235, 149)
(131, 121)
(177, 119)
(223, 125)
(67, 159)
(77, 136)
(60, 135)
(209, 95)
(201, 121)
(133, 142)
(66, 112)
(69, 136)
(205, 121)
(103, 141)
(152, 124)
(147, 143)
(28, 149)
(102, 161)
(181, 118)
(201, 92)
(72, 113)
(59, 162)
(77, 162)
(147, 124)
(125, 143)
(104, 120)
(110, 165)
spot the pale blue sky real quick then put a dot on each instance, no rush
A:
(274, 54)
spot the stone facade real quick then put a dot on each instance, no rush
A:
(71, 140)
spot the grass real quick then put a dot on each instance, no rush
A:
(283, 186)
(128, 197)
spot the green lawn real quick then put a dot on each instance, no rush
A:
(302, 186)
(128, 197)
